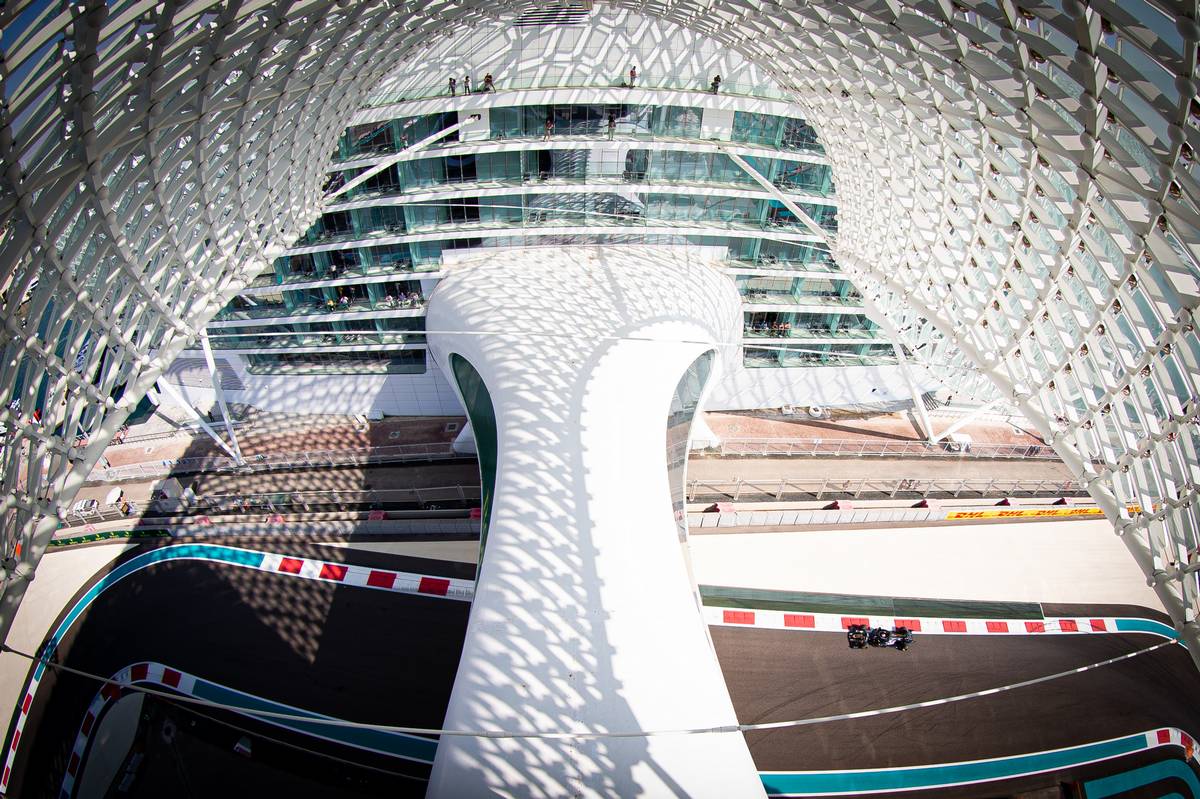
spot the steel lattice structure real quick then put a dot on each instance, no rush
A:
(1016, 178)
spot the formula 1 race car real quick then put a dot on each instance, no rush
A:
(859, 636)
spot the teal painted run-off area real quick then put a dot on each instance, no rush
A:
(406, 746)
(1128, 625)
(230, 555)
(409, 747)
(1141, 777)
(823, 783)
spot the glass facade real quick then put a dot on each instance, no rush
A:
(332, 362)
(547, 162)
(600, 173)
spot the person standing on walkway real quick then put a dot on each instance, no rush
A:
(453, 86)
(612, 125)
(716, 84)
(549, 128)
(489, 84)
(466, 84)
(632, 75)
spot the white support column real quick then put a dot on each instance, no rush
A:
(966, 420)
(194, 415)
(586, 618)
(917, 397)
(215, 376)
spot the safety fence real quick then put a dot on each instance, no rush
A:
(390, 453)
(849, 515)
(729, 447)
(124, 436)
(107, 535)
(818, 447)
(873, 488)
(286, 502)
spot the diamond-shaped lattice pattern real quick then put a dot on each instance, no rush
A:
(1017, 182)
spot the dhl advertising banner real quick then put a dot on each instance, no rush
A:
(1017, 513)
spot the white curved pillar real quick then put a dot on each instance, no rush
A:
(585, 616)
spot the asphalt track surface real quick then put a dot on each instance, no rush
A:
(777, 675)
(345, 651)
(391, 658)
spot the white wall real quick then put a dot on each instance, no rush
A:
(717, 123)
(345, 394)
(828, 386)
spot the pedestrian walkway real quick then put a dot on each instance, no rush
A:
(260, 432)
(768, 470)
(883, 427)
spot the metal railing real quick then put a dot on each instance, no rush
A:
(277, 502)
(123, 435)
(390, 453)
(589, 175)
(698, 85)
(869, 447)
(393, 453)
(305, 500)
(868, 488)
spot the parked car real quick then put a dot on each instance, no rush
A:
(83, 506)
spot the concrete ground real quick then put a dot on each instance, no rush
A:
(261, 432)
(886, 426)
(872, 468)
(437, 474)
(60, 574)
(457, 551)
(1080, 562)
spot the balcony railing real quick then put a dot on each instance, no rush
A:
(551, 218)
(573, 178)
(766, 359)
(290, 341)
(323, 307)
(762, 91)
(807, 331)
(625, 132)
(763, 297)
(861, 448)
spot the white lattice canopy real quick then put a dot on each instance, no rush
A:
(1017, 179)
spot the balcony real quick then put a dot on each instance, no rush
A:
(321, 308)
(761, 297)
(818, 262)
(787, 331)
(625, 133)
(535, 218)
(551, 178)
(292, 341)
(771, 359)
